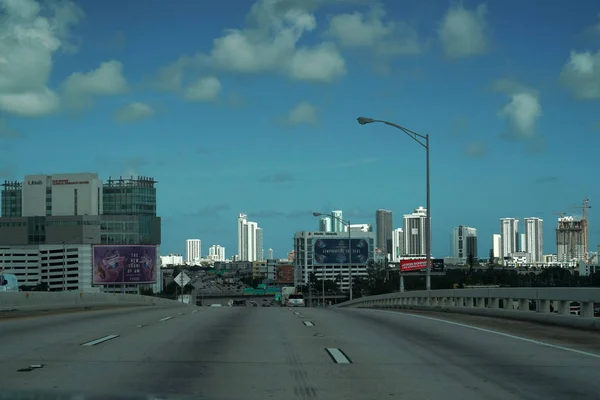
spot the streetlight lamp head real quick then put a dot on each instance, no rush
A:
(364, 120)
(317, 214)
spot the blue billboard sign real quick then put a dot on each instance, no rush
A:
(335, 251)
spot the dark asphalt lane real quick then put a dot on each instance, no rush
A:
(257, 353)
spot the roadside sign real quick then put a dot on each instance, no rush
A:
(182, 279)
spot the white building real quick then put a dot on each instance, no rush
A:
(497, 245)
(270, 254)
(397, 244)
(247, 243)
(464, 243)
(414, 233)
(534, 238)
(338, 226)
(62, 194)
(304, 257)
(216, 253)
(509, 231)
(325, 224)
(359, 228)
(171, 259)
(193, 251)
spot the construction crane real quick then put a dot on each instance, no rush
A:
(585, 206)
(560, 214)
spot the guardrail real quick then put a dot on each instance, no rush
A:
(41, 301)
(545, 305)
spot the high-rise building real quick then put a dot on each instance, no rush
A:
(397, 244)
(216, 253)
(260, 252)
(325, 224)
(509, 232)
(384, 224)
(534, 238)
(270, 254)
(338, 226)
(570, 239)
(414, 233)
(12, 198)
(129, 196)
(193, 251)
(464, 243)
(247, 244)
(497, 245)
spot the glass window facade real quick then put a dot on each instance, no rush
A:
(11, 199)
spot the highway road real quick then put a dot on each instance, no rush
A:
(305, 353)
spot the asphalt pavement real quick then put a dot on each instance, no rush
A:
(303, 353)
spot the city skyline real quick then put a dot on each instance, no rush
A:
(194, 114)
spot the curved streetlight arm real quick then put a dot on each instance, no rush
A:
(412, 134)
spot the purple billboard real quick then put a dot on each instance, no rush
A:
(124, 264)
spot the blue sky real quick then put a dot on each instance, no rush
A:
(241, 106)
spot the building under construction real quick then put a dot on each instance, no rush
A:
(570, 239)
(572, 235)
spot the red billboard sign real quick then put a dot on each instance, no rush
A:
(285, 274)
(413, 265)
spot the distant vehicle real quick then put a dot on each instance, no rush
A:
(239, 303)
(216, 305)
(295, 300)
(8, 283)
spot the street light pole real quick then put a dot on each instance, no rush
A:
(423, 140)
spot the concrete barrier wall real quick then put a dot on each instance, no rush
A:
(497, 302)
(32, 301)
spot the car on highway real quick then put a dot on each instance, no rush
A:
(295, 300)
(238, 303)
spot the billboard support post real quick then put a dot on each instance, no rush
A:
(423, 140)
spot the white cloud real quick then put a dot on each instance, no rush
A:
(302, 113)
(581, 75)
(80, 88)
(522, 113)
(29, 37)
(270, 44)
(360, 31)
(463, 32)
(203, 89)
(134, 112)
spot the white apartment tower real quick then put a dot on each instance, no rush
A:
(193, 251)
(534, 238)
(397, 244)
(270, 255)
(464, 243)
(216, 253)
(497, 245)
(414, 233)
(338, 226)
(509, 232)
(247, 243)
(325, 224)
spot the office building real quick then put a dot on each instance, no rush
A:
(247, 239)
(325, 224)
(534, 239)
(359, 228)
(338, 226)
(384, 224)
(397, 244)
(414, 233)
(216, 253)
(464, 244)
(171, 260)
(509, 232)
(193, 253)
(49, 242)
(129, 196)
(260, 252)
(338, 270)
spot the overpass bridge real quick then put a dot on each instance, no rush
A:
(367, 348)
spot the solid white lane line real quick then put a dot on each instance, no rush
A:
(100, 340)
(308, 323)
(195, 311)
(297, 313)
(165, 319)
(338, 356)
(508, 335)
